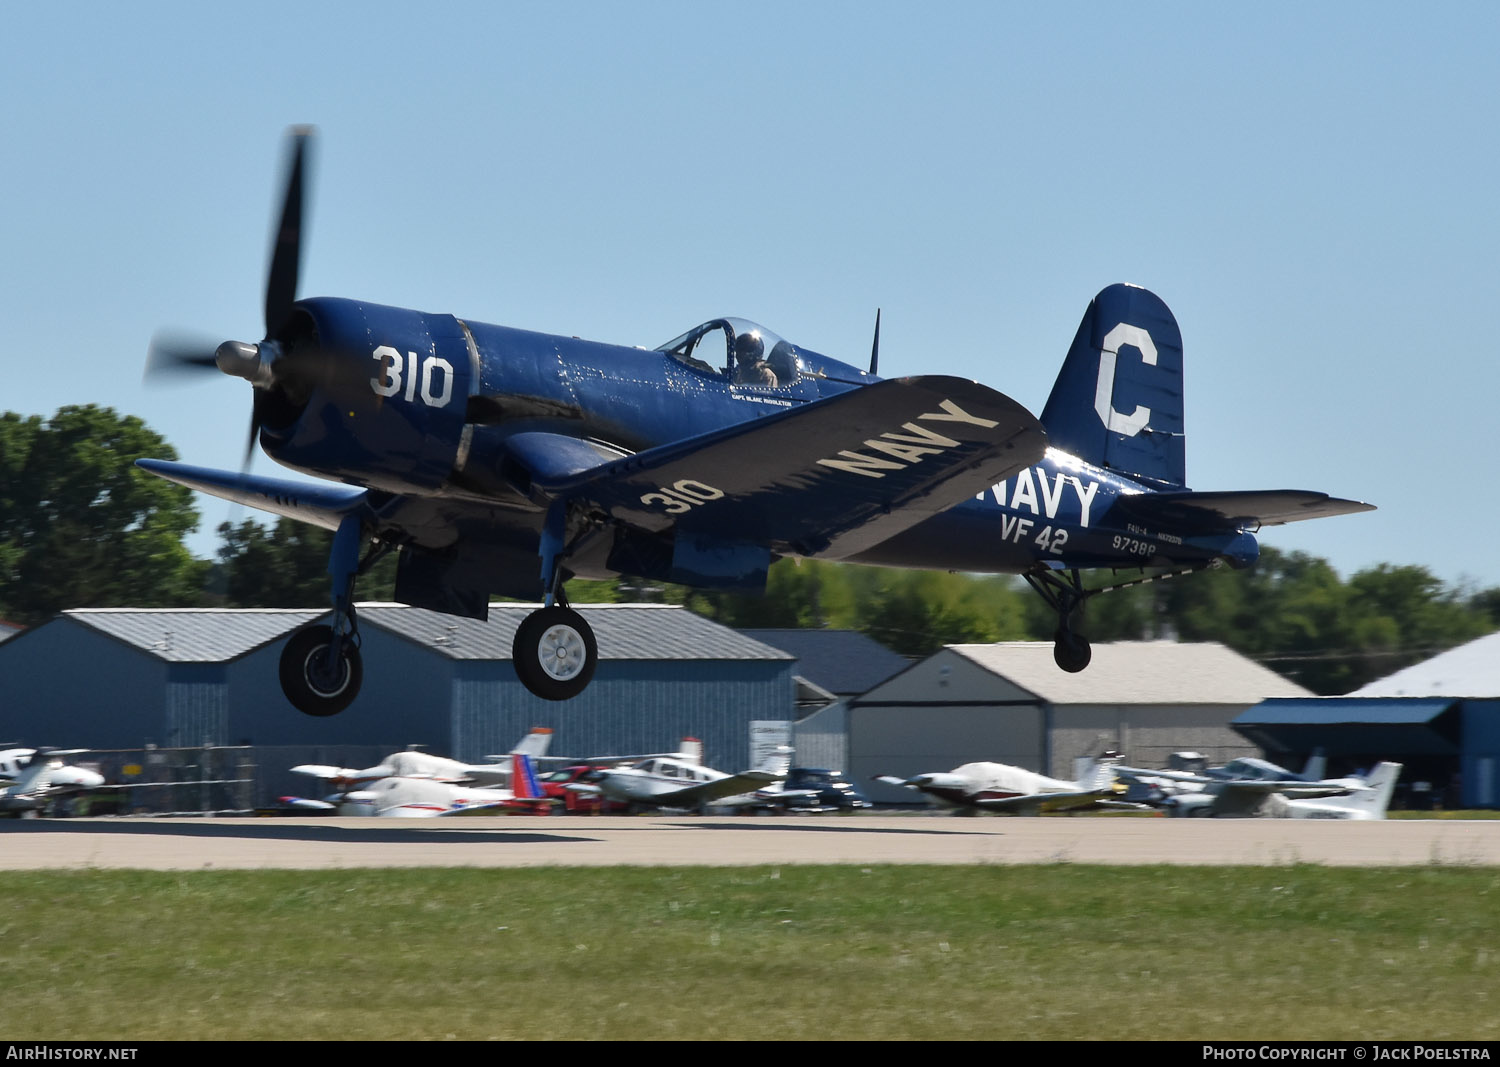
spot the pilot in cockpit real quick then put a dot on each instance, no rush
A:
(750, 367)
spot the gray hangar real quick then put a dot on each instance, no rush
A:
(1009, 703)
(1439, 718)
(121, 678)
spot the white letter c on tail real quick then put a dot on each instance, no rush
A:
(1104, 395)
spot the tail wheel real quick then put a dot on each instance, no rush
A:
(1071, 652)
(555, 653)
(310, 682)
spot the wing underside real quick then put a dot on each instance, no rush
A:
(1264, 507)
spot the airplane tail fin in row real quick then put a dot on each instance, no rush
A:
(536, 742)
(1376, 797)
(523, 780)
(1117, 402)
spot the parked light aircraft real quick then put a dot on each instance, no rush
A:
(1333, 798)
(498, 461)
(1157, 786)
(414, 764)
(675, 782)
(13, 760)
(43, 777)
(775, 794)
(1006, 790)
(422, 797)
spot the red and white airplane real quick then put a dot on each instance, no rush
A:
(414, 764)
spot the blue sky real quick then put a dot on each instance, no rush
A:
(1311, 187)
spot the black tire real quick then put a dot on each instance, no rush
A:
(1071, 652)
(555, 653)
(300, 681)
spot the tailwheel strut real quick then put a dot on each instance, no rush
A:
(1066, 594)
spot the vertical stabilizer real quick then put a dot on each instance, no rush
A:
(1316, 768)
(1117, 402)
(1376, 797)
(690, 751)
(523, 780)
(536, 742)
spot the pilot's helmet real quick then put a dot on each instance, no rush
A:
(749, 348)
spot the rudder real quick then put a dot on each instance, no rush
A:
(1117, 402)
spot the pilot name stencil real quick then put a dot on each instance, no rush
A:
(901, 450)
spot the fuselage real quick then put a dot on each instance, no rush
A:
(653, 780)
(450, 393)
(988, 781)
(421, 798)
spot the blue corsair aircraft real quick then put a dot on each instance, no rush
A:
(500, 462)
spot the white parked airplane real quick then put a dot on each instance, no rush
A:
(43, 776)
(776, 794)
(418, 797)
(1007, 790)
(1332, 798)
(12, 760)
(1155, 787)
(680, 781)
(414, 764)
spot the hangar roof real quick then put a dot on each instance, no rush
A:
(1338, 710)
(1471, 670)
(1136, 672)
(195, 635)
(624, 631)
(844, 662)
(1352, 726)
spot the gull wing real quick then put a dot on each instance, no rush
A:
(826, 479)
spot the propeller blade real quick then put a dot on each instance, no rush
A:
(286, 254)
(179, 355)
(875, 348)
(254, 437)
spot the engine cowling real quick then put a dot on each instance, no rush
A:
(385, 403)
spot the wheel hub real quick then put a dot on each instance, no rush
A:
(562, 652)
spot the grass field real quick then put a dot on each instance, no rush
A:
(894, 952)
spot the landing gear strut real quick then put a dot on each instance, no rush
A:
(321, 670)
(554, 651)
(1064, 593)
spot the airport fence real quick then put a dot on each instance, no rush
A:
(206, 780)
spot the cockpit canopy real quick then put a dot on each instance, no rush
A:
(741, 351)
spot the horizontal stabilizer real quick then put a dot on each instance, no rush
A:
(1256, 507)
(319, 503)
(828, 479)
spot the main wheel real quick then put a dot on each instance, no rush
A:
(306, 677)
(555, 653)
(1071, 652)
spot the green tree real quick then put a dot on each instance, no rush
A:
(285, 566)
(81, 525)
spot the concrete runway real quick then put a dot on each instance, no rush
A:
(477, 841)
